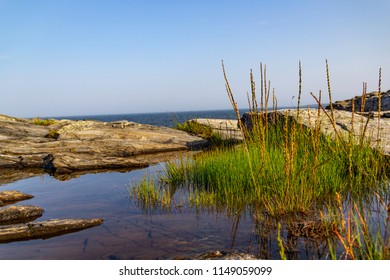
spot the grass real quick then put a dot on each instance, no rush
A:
(293, 171)
(53, 134)
(196, 128)
(204, 131)
(43, 122)
(151, 197)
(285, 169)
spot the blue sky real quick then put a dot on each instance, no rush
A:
(80, 57)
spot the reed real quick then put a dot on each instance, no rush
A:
(151, 197)
(363, 229)
(280, 243)
(379, 105)
(287, 157)
(283, 168)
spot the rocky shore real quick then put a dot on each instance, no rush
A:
(65, 146)
(17, 222)
(370, 106)
(68, 147)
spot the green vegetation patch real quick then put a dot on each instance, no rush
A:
(53, 134)
(196, 128)
(44, 122)
(283, 169)
(204, 131)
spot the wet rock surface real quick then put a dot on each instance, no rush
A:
(17, 221)
(15, 214)
(66, 146)
(44, 229)
(7, 197)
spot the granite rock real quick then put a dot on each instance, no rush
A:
(371, 103)
(66, 146)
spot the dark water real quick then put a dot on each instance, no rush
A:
(128, 232)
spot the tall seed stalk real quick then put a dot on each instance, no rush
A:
(379, 106)
(300, 89)
(240, 124)
(330, 94)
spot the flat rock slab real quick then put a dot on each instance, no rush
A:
(45, 229)
(13, 196)
(66, 146)
(19, 213)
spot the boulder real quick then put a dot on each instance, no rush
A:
(371, 103)
(375, 131)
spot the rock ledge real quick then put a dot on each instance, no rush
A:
(66, 146)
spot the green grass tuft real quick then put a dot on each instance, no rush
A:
(44, 122)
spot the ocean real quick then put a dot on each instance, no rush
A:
(168, 119)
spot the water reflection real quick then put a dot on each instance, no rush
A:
(182, 231)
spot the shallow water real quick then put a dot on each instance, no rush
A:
(127, 232)
(130, 233)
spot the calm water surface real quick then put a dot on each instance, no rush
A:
(128, 232)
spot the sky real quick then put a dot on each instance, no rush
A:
(85, 57)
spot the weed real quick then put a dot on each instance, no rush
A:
(284, 168)
(53, 134)
(204, 131)
(44, 122)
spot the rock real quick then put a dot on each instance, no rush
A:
(13, 196)
(222, 255)
(370, 106)
(87, 145)
(45, 229)
(20, 213)
(360, 126)
(226, 128)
